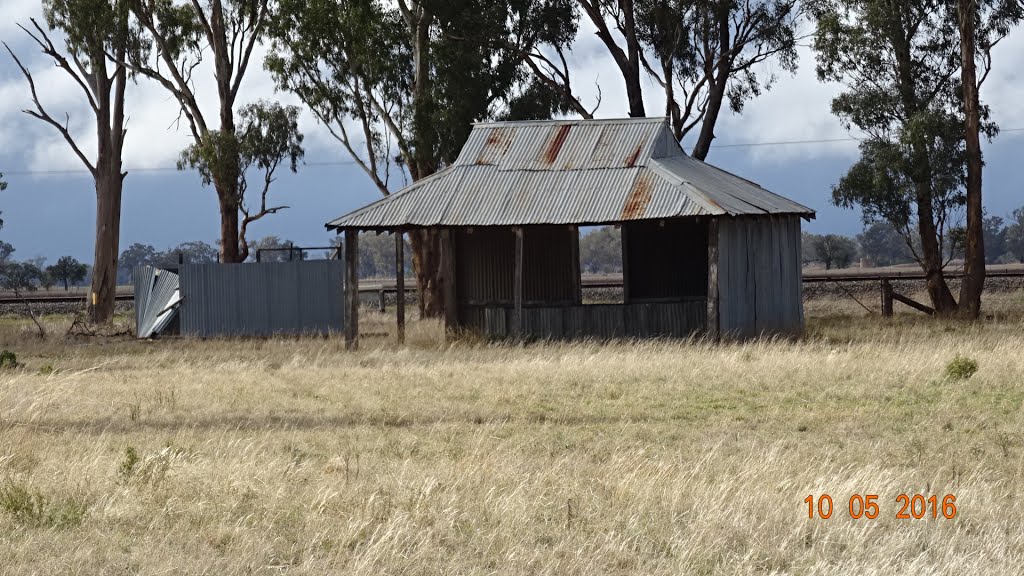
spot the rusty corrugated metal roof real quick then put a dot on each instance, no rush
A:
(569, 172)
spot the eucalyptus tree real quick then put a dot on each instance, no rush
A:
(981, 24)
(267, 136)
(399, 84)
(67, 270)
(900, 62)
(98, 37)
(183, 35)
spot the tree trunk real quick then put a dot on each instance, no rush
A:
(426, 260)
(974, 254)
(225, 183)
(631, 73)
(108, 228)
(707, 128)
(931, 258)
(426, 244)
(228, 223)
(628, 61)
(109, 184)
(716, 84)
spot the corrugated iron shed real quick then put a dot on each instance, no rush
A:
(570, 172)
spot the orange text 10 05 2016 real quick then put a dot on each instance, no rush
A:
(908, 506)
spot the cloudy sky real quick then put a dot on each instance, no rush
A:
(49, 206)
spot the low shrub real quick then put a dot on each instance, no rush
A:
(961, 368)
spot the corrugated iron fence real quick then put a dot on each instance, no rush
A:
(304, 297)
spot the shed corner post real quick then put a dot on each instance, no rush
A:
(713, 318)
(351, 289)
(400, 282)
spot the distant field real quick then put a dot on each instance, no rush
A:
(293, 456)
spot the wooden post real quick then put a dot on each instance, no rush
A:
(448, 283)
(625, 262)
(400, 283)
(574, 239)
(351, 289)
(713, 324)
(517, 287)
(382, 300)
(886, 298)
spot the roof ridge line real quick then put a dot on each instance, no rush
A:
(626, 120)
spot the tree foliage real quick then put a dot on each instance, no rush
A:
(1015, 235)
(138, 254)
(274, 249)
(20, 276)
(995, 239)
(67, 271)
(6, 249)
(601, 251)
(835, 251)
(413, 77)
(883, 245)
(267, 135)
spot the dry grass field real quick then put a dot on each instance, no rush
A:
(293, 456)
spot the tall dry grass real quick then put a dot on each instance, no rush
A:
(293, 456)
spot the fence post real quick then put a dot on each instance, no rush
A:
(258, 251)
(381, 305)
(886, 298)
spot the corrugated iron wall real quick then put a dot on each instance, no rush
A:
(550, 265)
(262, 299)
(667, 259)
(484, 261)
(485, 265)
(602, 321)
(759, 276)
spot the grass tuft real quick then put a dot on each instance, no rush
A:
(29, 507)
(961, 368)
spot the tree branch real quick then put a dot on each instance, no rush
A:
(43, 115)
(43, 40)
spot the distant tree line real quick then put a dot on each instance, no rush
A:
(270, 249)
(33, 273)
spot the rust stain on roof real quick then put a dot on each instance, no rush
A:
(638, 200)
(631, 161)
(551, 154)
(497, 143)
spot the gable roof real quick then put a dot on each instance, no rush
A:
(569, 172)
